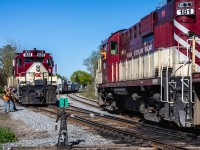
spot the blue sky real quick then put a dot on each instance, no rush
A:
(69, 29)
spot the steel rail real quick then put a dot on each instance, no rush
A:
(87, 102)
(131, 134)
(92, 100)
(159, 130)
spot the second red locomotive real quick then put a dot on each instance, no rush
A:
(154, 66)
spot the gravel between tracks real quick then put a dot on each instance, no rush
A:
(36, 129)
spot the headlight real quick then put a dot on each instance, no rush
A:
(185, 4)
(37, 68)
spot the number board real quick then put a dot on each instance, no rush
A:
(27, 54)
(40, 55)
(181, 12)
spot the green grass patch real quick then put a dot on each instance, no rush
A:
(6, 136)
(88, 95)
(89, 92)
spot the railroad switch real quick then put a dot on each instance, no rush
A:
(63, 142)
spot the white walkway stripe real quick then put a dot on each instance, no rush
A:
(185, 44)
(198, 40)
(181, 27)
(183, 57)
(181, 41)
(184, 29)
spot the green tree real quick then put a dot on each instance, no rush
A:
(91, 63)
(81, 77)
(7, 54)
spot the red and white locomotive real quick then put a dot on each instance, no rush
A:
(33, 77)
(154, 66)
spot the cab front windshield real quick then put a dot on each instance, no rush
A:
(31, 59)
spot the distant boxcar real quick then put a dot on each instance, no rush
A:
(64, 86)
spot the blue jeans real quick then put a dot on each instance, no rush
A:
(10, 103)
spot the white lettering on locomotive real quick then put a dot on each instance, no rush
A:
(148, 48)
(27, 54)
(40, 55)
(141, 50)
(129, 55)
(136, 52)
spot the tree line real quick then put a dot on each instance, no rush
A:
(91, 63)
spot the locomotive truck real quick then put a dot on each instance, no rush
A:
(33, 77)
(153, 67)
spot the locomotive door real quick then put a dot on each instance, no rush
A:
(104, 63)
(19, 67)
(113, 61)
(104, 70)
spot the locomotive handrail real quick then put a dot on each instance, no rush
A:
(188, 51)
(161, 85)
(191, 99)
(167, 85)
(161, 79)
(194, 39)
(182, 92)
(186, 62)
(193, 54)
(193, 51)
(192, 64)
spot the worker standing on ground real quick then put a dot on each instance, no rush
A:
(13, 99)
(7, 100)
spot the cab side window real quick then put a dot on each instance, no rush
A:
(19, 62)
(113, 47)
(49, 62)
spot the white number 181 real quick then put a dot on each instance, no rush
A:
(185, 12)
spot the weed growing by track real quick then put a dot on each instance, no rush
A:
(6, 135)
(89, 92)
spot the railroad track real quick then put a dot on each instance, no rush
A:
(78, 95)
(131, 131)
(82, 147)
(83, 100)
